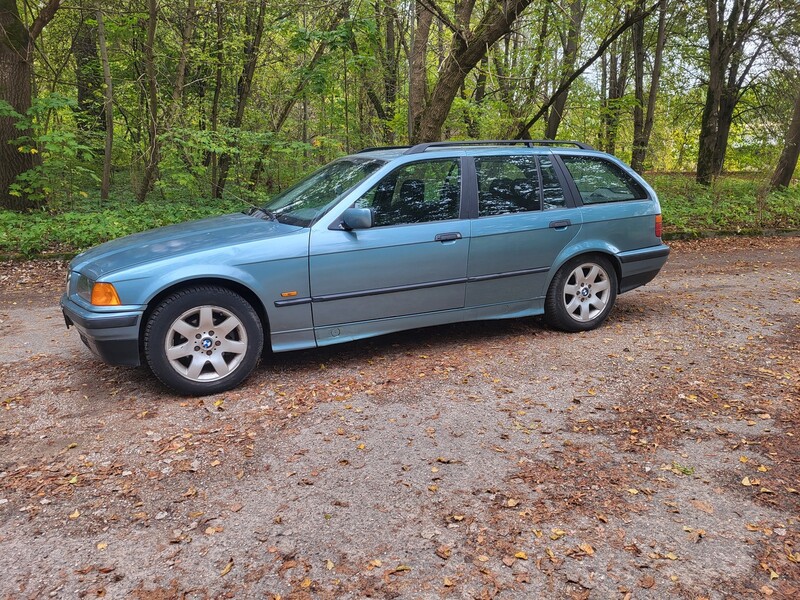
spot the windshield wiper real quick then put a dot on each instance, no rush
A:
(261, 213)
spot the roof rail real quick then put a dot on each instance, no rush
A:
(374, 148)
(528, 143)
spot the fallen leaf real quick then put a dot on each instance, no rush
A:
(400, 569)
(306, 583)
(102, 545)
(702, 506)
(448, 582)
(444, 552)
(647, 582)
(556, 534)
(587, 548)
(521, 555)
(227, 568)
(74, 515)
(329, 564)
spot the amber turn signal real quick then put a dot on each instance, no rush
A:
(104, 294)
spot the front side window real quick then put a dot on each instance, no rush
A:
(302, 203)
(507, 184)
(599, 180)
(416, 193)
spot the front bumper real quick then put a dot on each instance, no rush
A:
(113, 336)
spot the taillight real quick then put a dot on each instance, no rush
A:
(658, 226)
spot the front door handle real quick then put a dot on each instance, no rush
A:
(562, 224)
(447, 237)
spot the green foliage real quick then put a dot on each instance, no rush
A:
(734, 203)
(86, 226)
(66, 167)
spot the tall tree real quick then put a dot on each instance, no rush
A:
(570, 46)
(616, 31)
(644, 112)
(730, 29)
(108, 106)
(244, 85)
(17, 45)
(88, 74)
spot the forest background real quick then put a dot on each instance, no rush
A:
(117, 116)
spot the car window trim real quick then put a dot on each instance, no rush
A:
(469, 188)
(572, 196)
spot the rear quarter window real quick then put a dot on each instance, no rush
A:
(601, 181)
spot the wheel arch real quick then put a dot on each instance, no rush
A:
(239, 288)
(587, 250)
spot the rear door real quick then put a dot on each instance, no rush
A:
(524, 221)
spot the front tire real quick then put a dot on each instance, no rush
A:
(203, 340)
(581, 294)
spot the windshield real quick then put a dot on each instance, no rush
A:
(302, 203)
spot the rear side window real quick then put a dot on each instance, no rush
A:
(600, 181)
(507, 184)
(552, 193)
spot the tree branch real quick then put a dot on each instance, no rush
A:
(626, 24)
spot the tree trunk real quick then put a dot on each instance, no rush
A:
(727, 104)
(576, 12)
(16, 73)
(643, 128)
(108, 107)
(787, 163)
(243, 88)
(88, 77)
(418, 77)
(727, 40)
(619, 59)
(219, 59)
(390, 72)
(154, 146)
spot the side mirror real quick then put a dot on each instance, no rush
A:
(357, 218)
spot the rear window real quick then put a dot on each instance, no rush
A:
(600, 181)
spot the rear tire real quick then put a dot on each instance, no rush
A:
(203, 340)
(581, 294)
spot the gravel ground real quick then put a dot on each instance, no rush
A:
(655, 457)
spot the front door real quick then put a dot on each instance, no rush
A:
(412, 261)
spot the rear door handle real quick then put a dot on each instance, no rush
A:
(562, 224)
(447, 237)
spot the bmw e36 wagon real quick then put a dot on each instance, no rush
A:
(379, 241)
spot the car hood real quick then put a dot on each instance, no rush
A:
(172, 241)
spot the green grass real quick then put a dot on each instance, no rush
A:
(734, 204)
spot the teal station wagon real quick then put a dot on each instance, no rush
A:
(380, 241)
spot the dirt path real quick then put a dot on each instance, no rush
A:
(655, 457)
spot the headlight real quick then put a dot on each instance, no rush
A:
(84, 287)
